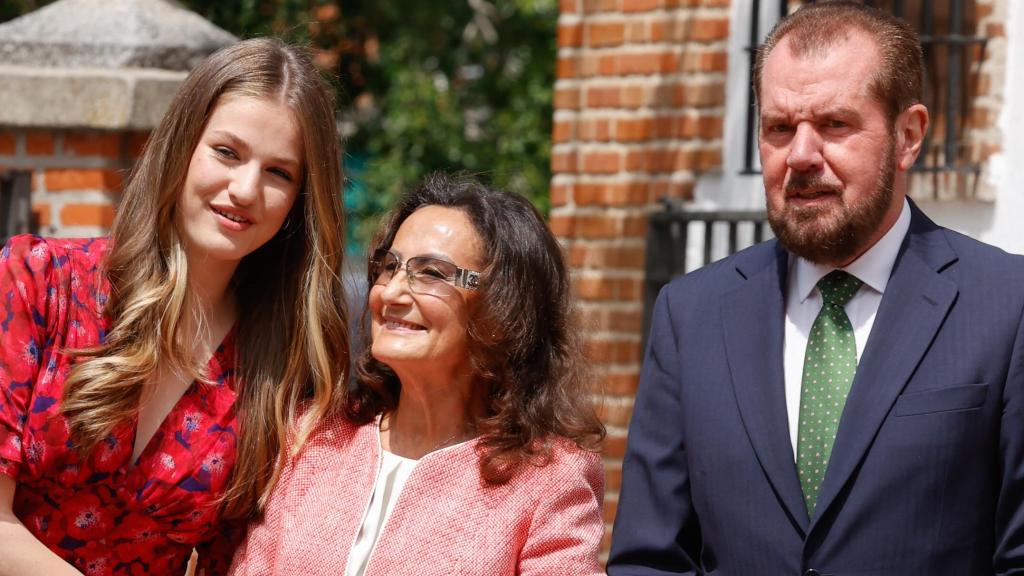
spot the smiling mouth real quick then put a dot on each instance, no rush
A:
(232, 217)
(395, 324)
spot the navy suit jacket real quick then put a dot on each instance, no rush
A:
(927, 472)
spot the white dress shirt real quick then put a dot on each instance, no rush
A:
(803, 302)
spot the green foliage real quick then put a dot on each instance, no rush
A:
(425, 85)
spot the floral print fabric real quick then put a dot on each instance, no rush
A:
(103, 513)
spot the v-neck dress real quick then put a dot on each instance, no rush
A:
(103, 513)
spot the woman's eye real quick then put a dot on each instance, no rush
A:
(225, 152)
(433, 272)
(283, 174)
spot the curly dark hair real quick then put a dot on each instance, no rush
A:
(522, 337)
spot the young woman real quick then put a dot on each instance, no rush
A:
(468, 443)
(147, 380)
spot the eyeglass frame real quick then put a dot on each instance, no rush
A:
(463, 278)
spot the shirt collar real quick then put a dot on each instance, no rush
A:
(872, 267)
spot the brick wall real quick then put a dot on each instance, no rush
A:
(639, 105)
(76, 175)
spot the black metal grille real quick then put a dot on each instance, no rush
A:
(669, 232)
(15, 204)
(953, 57)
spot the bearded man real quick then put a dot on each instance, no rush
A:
(848, 398)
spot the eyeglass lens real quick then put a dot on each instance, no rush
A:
(426, 275)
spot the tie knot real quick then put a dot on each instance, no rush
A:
(837, 287)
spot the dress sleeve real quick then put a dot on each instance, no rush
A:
(565, 534)
(24, 272)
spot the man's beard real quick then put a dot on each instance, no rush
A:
(833, 234)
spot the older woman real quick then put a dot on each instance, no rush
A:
(467, 443)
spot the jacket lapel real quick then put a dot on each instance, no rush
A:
(916, 301)
(752, 317)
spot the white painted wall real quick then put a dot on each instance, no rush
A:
(1000, 222)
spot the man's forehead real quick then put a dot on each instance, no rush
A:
(852, 59)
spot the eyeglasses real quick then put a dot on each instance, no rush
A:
(427, 275)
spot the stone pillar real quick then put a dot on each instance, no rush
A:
(639, 104)
(81, 85)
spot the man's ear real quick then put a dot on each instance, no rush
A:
(911, 127)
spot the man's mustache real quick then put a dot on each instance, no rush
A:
(805, 181)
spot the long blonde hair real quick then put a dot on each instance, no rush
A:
(292, 342)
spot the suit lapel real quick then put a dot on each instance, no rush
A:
(916, 301)
(752, 319)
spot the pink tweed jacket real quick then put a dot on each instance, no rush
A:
(545, 521)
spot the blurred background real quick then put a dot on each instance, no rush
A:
(421, 86)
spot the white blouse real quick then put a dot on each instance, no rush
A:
(394, 472)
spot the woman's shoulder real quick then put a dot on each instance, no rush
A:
(36, 253)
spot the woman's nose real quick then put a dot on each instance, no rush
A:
(244, 185)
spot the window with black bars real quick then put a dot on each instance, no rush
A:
(953, 55)
(15, 203)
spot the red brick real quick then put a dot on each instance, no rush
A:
(995, 30)
(563, 162)
(633, 96)
(714, 61)
(620, 384)
(605, 34)
(658, 31)
(614, 446)
(603, 97)
(640, 5)
(683, 190)
(568, 6)
(710, 158)
(87, 215)
(612, 476)
(648, 63)
(705, 95)
(563, 131)
(710, 29)
(105, 144)
(608, 256)
(633, 129)
(561, 225)
(567, 98)
(619, 351)
(687, 160)
(570, 35)
(616, 414)
(598, 130)
(634, 225)
(84, 179)
(39, 144)
(605, 288)
(608, 65)
(591, 6)
(567, 67)
(602, 162)
(615, 320)
(597, 226)
(560, 194)
(8, 143)
(41, 213)
(638, 32)
(609, 507)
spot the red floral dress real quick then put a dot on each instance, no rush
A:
(103, 513)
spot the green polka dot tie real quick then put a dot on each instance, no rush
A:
(829, 366)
